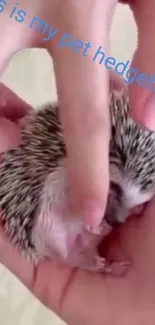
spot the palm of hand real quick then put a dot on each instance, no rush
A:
(79, 296)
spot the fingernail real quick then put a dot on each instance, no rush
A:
(93, 213)
(148, 115)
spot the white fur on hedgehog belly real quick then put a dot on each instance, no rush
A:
(57, 232)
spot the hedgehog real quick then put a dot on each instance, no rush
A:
(34, 188)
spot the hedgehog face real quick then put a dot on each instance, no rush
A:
(114, 205)
(132, 159)
(125, 195)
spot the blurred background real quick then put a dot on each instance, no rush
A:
(30, 75)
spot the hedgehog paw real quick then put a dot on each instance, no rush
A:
(94, 230)
(116, 268)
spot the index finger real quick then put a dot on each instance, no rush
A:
(83, 95)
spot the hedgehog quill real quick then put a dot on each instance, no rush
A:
(34, 189)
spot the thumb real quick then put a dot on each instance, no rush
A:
(142, 92)
(9, 134)
(83, 97)
(12, 109)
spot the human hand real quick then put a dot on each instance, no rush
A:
(142, 100)
(78, 82)
(82, 88)
(77, 296)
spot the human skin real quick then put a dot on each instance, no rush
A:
(80, 81)
(142, 100)
(77, 296)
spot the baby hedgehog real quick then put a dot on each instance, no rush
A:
(34, 190)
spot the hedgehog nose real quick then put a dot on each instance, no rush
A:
(113, 205)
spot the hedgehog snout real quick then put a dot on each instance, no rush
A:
(114, 209)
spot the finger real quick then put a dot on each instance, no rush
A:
(11, 106)
(142, 97)
(9, 134)
(83, 97)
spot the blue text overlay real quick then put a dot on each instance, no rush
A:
(78, 46)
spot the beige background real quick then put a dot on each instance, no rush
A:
(30, 75)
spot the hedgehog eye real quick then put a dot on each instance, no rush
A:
(116, 189)
(113, 204)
